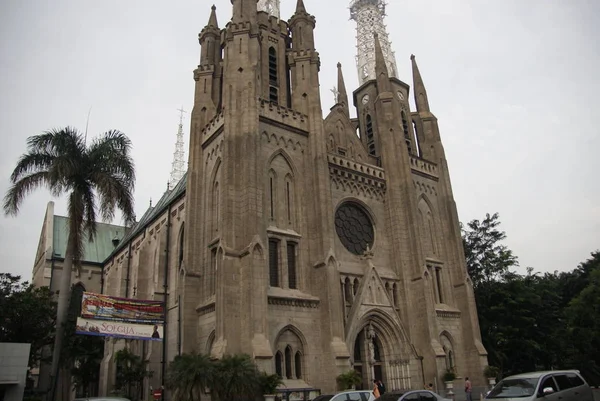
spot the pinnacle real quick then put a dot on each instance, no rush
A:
(212, 21)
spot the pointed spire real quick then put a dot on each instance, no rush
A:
(342, 95)
(212, 21)
(381, 71)
(419, 88)
(300, 7)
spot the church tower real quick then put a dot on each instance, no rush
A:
(319, 245)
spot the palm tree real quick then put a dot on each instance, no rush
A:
(61, 161)
(189, 375)
(236, 379)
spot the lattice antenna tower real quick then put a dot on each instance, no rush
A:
(178, 167)
(369, 15)
(269, 6)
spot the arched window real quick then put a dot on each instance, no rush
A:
(288, 198)
(298, 363)
(181, 239)
(273, 84)
(406, 132)
(370, 136)
(355, 286)
(395, 294)
(358, 349)
(216, 206)
(416, 136)
(289, 353)
(272, 193)
(288, 362)
(279, 364)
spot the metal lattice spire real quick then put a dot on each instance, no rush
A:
(178, 168)
(270, 6)
(369, 15)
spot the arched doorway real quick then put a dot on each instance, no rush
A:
(368, 357)
(381, 351)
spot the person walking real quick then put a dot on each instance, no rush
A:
(376, 393)
(468, 389)
(381, 387)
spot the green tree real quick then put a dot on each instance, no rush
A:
(131, 372)
(28, 315)
(189, 375)
(583, 316)
(488, 260)
(236, 378)
(99, 176)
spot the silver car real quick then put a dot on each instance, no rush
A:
(564, 385)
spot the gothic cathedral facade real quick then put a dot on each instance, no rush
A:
(316, 244)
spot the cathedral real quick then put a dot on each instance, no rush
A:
(316, 243)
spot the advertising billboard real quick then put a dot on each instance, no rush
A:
(104, 307)
(110, 328)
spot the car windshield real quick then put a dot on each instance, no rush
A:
(514, 388)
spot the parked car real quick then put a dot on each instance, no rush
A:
(415, 395)
(358, 395)
(564, 385)
(102, 399)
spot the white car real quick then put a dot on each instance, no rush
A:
(358, 395)
(414, 395)
(101, 399)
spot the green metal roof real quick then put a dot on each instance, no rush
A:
(152, 213)
(99, 250)
(93, 251)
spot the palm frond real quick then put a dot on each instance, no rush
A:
(112, 150)
(20, 189)
(113, 174)
(31, 162)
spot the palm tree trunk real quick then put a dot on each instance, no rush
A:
(62, 312)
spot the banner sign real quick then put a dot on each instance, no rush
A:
(98, 306)
(131, 331)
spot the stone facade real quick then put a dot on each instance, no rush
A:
(316, 244)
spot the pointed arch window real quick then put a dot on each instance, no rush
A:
(216, 206)
(358, 349)
(289, 198)
(273, 82)
(370, 136)
(298, 365)
(406, 132)
(279, 364)
(181, 241)
(272, 194)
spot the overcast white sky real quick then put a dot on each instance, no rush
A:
(513, 83)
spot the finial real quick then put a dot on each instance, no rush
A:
(150, 202)
(412, 56)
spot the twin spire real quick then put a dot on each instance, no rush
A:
(382, 73)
